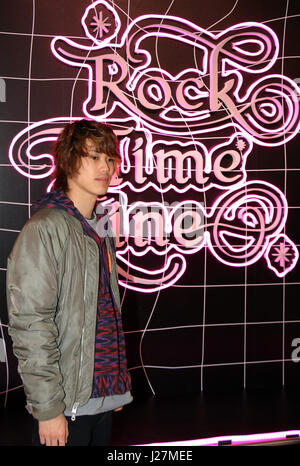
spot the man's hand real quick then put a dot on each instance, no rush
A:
(54, 432)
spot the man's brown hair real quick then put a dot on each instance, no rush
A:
(71, 146)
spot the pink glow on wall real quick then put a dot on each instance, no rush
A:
(161, 119)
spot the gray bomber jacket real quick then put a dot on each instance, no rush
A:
(52, 292)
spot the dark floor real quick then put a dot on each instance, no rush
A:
(155, 420)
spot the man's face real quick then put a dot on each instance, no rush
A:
(95, 172)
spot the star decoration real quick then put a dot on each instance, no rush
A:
(101, 25)
(282, 254)
(240, 144)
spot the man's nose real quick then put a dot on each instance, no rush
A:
(103, 165)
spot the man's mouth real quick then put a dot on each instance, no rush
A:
(105, 180)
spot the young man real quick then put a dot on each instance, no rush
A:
(63, 297)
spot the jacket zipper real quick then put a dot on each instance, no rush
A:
(74, 410)
(76, 403)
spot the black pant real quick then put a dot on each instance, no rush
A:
(93, 430)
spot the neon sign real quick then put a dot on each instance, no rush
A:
(162, 116)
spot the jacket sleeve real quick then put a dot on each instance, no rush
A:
(32, 292)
